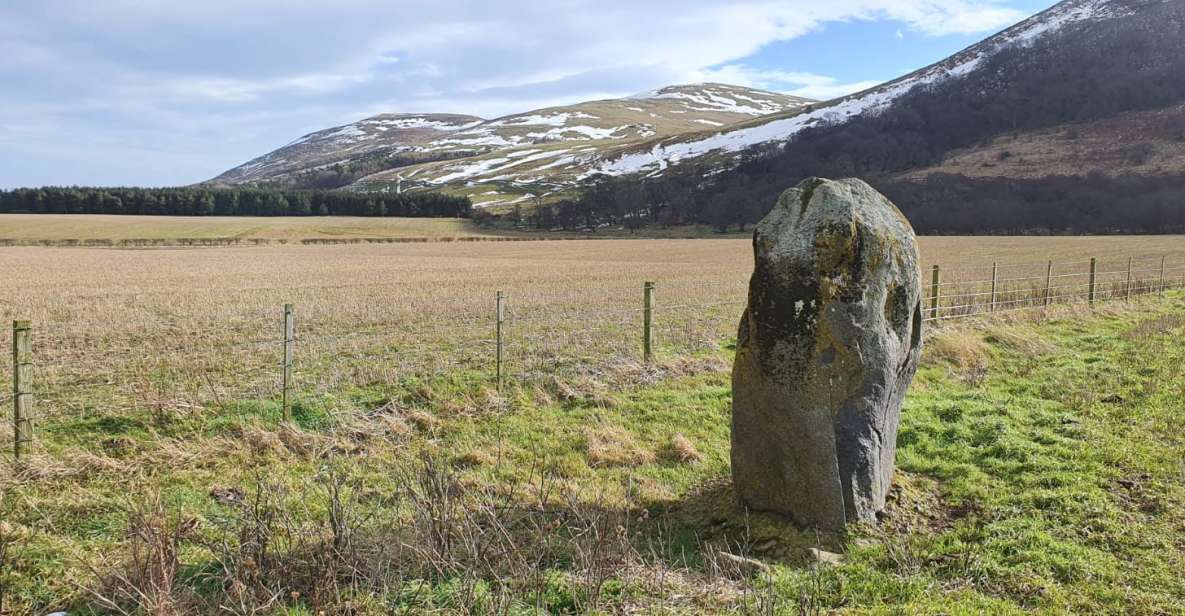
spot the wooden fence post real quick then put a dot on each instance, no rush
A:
(1162, 260)
(647, 316)
(499, 317)
(1127, 292)
(289, 342)
(935, 283)
(995, 277)
(1048, 283)
(1094, 268)
(22, 388)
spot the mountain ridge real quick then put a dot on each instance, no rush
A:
(385, 142)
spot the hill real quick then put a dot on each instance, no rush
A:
(1068, 122)
(466, 153)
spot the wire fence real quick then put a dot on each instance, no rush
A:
(971, 291)
(569, 334)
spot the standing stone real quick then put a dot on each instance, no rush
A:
(827, 346)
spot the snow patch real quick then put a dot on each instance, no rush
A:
(558, 119)
(492, 166)
(590, 132)
(415, 122)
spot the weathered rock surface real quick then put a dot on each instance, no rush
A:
(827, 347)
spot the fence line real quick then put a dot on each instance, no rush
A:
(508, 341)
(955, 299)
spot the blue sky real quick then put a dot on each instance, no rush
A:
(167, 92)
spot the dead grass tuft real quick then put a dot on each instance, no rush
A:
(585, 389)
(1024, 341)
(394, 426)
(565, 392)
(961, 348)
(491, 402)
(473, 458)
(1156, 326)
(299, 442)
(609, 446)
(75, 466)
(681, 450)
(422, 420)
(143, 579)
(259, 441)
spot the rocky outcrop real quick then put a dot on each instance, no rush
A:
(827, 347)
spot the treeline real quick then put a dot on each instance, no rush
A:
(339, 175)
(620, 202)
(207, 201)
(1096, 204)
(939, 204)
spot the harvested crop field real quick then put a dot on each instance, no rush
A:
(22, 228)
(210, 317)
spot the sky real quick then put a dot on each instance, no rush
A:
(172, 92)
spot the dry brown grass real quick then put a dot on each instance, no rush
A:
(682, 450)
(102, 227)
(1021, 341)
(177, 330)
(610, 446)
(1075, 149)
(964, 349)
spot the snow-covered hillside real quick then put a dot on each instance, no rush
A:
(390, 133)
(401, 139)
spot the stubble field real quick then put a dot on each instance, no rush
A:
(32, 228)
(157, 379)
(431, 306)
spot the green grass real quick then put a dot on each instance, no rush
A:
(1040, 470)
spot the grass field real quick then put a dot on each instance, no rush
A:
(1040, 462)
(90, 227)
(133, 231)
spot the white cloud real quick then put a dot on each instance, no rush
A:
(224, 80)
(808, 85)
(832, 89)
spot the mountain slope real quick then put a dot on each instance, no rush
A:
(1042, 72)
(782, 127)
(1108, 73)
(1136, 143)
(384, 134)
(379, 145)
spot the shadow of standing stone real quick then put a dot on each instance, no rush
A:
(827, 347)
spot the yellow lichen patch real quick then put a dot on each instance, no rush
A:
(835, 248)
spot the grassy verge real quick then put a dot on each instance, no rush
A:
(1040, 469)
